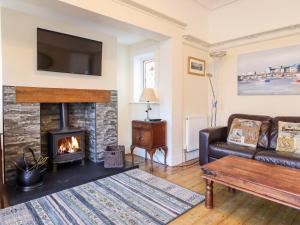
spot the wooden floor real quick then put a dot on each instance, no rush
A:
(229, 208)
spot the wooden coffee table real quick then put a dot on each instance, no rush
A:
(276, 183)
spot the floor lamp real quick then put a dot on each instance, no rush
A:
(214, 103)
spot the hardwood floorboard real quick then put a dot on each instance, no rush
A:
(264, 214)
(229, 209)
(223, 210)
(286, 217)
(296, 220)
(244, 212)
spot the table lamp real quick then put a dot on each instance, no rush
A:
(148, 96)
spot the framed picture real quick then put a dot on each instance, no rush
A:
(270, 72)
(196, 66)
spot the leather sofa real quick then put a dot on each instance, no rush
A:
(213, 143)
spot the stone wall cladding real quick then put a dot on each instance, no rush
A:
(106, 126)
(50, 120)
(83, 115)
(28, 125)
(21, 129)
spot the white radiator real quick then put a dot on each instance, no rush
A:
(193, 124)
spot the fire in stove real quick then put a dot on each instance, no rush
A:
(69, 145)
(66, 144)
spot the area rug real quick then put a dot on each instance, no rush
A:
(133, 197)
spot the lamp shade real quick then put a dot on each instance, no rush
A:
(148, 95)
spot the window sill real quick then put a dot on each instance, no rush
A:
(152, 103)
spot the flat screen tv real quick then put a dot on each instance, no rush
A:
(58, 52)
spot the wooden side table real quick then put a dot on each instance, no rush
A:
(149, 136)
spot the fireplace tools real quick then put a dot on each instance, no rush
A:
(30, 175)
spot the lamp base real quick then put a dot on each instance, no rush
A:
(147, 111)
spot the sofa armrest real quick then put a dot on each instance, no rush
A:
(208, 136)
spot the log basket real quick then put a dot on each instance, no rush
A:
(114, 156)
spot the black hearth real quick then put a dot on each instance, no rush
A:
(66, 144)
(69, 176)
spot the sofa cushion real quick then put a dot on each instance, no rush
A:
(263, 140)
(274, 128)
(280, 158)
(221, 149)
(288, 137)
(244, 132)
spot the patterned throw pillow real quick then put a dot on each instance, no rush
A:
(288, 137)
(244, 132)
(263, 139)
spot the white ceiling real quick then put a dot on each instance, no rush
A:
(125, 33)
(214, 4)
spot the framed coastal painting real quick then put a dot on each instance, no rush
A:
(196, 66)
(270, 72)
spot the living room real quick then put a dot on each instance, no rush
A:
(194, 66)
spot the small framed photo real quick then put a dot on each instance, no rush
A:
(196, 66)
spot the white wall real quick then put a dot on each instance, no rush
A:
(195, 90)
(137, 109)
(19, 54)
(195, 87)
(246, 17)
(171, 95)
(132, 110)
(123, 80)
(149, 49)
(129, 108)
(230, 102)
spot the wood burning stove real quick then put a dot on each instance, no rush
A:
(66, 144)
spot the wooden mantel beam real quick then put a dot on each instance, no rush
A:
(60, 95)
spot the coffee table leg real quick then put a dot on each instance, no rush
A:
(231, 190)
(209, 194)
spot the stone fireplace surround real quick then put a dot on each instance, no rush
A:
(27, 124)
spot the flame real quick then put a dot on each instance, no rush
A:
(68, 145)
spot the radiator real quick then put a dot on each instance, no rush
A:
(193, 124)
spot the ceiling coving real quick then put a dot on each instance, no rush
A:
(214, 4)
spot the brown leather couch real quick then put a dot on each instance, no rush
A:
(213, 143)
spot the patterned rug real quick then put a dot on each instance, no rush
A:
(133, 197)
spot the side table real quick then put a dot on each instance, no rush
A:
(149, 136)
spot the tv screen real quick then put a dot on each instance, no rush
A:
(58, 52)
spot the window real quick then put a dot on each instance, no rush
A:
(149, 74)
(144, 73)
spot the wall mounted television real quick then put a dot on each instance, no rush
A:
(58, 52)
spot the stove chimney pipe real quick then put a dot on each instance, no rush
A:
(63, 109)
